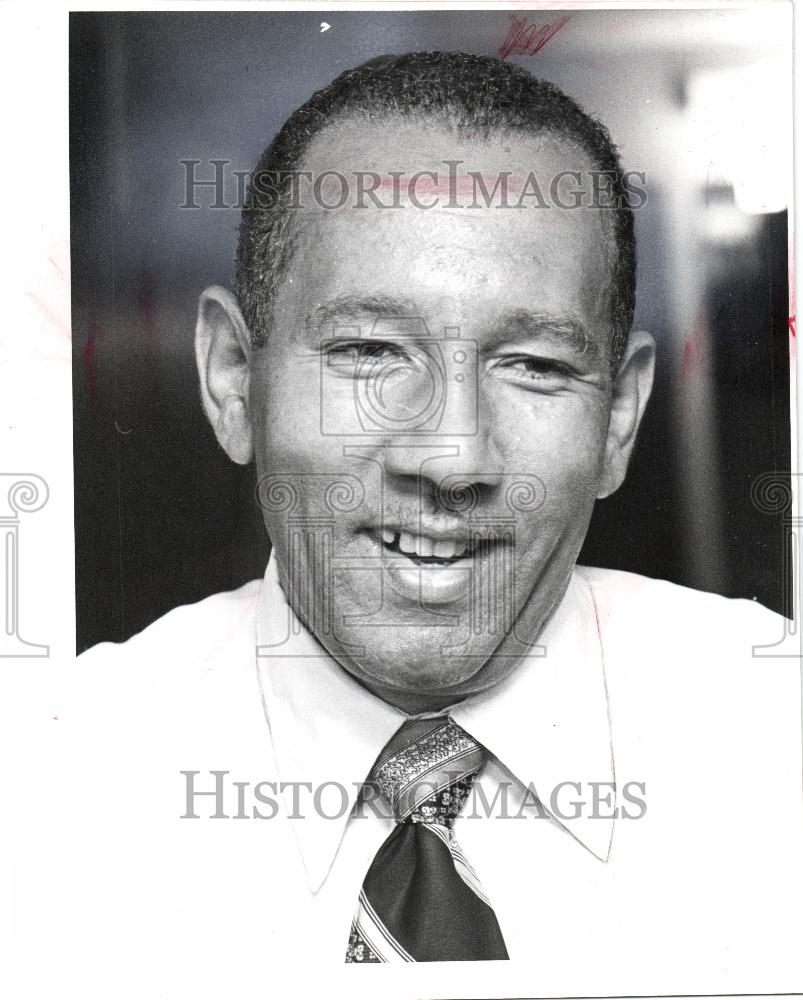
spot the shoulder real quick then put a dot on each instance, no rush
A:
(704, 708)
(194, 663)
(687, 651)
(638, 603)
(679, 660)
(189, 631)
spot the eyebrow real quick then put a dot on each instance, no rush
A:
(353, 306)
(522, 324)
(526, 324)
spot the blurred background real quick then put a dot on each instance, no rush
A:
(699, 100)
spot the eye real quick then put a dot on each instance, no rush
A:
(534, 371)
(365, 358)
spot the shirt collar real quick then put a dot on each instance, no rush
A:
(324, 726)
(547, 723)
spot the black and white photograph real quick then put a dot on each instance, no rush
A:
(400, 508)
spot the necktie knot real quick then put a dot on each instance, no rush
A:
(421, 900)
(427, 769)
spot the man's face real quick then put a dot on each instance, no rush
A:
(435, 397)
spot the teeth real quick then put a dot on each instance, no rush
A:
(446, 548)
(424, 546)
(407, 542)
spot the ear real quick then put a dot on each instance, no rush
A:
(223, 354)
(631, 390)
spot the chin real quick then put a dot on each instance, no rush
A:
(425, 668)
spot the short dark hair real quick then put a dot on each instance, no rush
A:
(447, 88)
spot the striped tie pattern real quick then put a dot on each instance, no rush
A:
(421, 900)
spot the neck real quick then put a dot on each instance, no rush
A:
(413, 702)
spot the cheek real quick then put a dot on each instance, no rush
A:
(562, 441)
(302, 470)
(285, 413)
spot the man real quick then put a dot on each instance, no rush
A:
(465, 748)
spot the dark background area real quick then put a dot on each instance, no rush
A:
(163, 518)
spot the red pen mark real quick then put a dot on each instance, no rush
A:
(56, 309)
(688, 358)
(792, 305)
(93, 336)
(48, 313)
(695, 351)
(792, 344)
(525, 38)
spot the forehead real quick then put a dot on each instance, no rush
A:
(459, 262)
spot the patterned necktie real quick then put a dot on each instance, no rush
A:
(421, 901)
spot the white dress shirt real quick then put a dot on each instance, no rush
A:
(641, 682)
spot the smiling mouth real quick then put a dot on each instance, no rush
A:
(427, 551)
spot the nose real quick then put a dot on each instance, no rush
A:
(461, 448)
